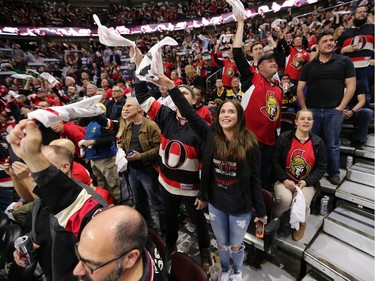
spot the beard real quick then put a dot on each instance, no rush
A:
(113, 276)
(359, 22)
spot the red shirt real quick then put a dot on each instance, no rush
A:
(108, 93)
(75, 133)
(205, 114)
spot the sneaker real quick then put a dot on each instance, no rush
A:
(298, 234)
(224, 276)
(236, 277)
(335, 180)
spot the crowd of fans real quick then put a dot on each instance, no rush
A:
(81, 73)
(59, 13)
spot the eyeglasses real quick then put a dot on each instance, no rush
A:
(92, 269)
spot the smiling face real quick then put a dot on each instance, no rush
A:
(304, 121)
(228, 116)
(268, 68)
(130, 109)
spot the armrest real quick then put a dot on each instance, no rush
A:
(272, 226)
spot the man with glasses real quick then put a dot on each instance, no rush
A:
(115, 103)
(122, 252)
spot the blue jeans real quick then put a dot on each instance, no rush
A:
(361, 120)
(327, 125)
(229, 231)
(366, 76)
(145, 186)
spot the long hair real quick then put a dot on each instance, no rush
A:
(244, 140)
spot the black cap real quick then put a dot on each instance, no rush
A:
(266, 57)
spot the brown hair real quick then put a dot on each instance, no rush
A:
(244, 140)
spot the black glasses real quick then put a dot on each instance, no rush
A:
(92, 269)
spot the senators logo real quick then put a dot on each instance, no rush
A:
(175, 154)
(359, 41)
(272, 108)
(298, 167)
(230, 71)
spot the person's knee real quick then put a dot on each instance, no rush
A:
(236, 248)
(222, 247)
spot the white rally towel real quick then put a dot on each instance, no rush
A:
(154, 60)
(111, 38)
(50, 116)
(298, 210)
(52, 80)
(21, 76)
(121, 161)
(278, 22)
(238, 8)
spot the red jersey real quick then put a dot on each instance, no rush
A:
(300, 160)
(261, 103)
(293, 66)
(229, 71)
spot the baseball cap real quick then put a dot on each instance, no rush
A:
(266, 57)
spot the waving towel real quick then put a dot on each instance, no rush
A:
(238, 8)
(111, 38)
(21, 76)
(50, 116)
(278, 22)
(152, 63)
(52, 80)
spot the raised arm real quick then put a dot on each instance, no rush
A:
(239, 57)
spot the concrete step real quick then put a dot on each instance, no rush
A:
(353, 226)
(370, 140)
(328, 187)
(362, 173)
(366, 152)
(313, 224)
(356, 193)
(338, 260)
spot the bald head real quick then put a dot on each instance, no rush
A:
(125, 228)
(59, 157)
(67, 143)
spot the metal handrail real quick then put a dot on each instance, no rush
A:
(209, 78)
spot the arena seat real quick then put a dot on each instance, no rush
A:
(184, 268)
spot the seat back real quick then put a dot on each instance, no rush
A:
(184, 268)
(4, 222)
(158, 242)
(287, 121)
(11, 233)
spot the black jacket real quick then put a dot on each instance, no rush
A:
(248, 171)
(280, 152)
